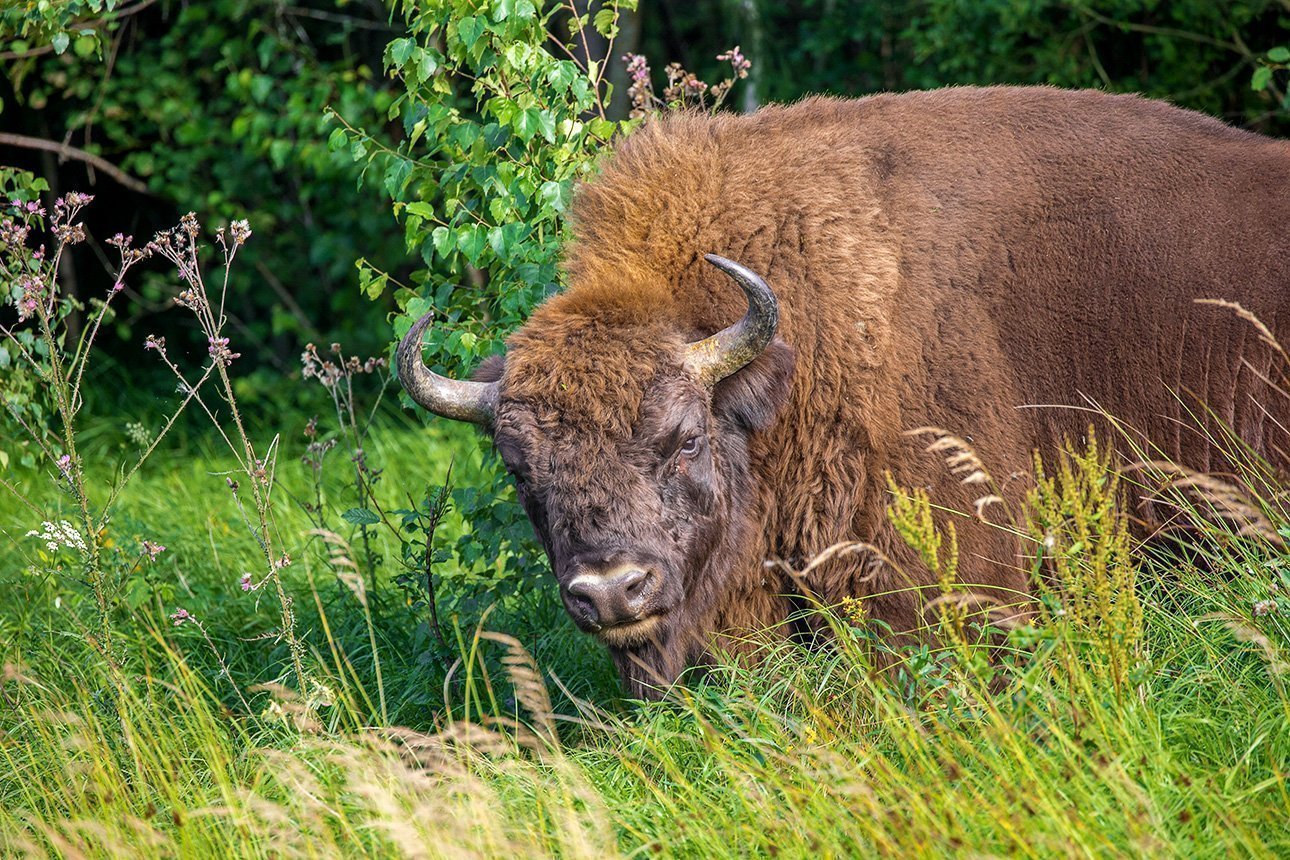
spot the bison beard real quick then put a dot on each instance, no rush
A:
(993, 261)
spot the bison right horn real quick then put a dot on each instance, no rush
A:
(461, 400)
(714, 358)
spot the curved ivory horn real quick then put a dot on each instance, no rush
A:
(714, 358)
(461, 400)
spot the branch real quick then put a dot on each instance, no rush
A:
(335, 18)
(79, 25)
(69, 151)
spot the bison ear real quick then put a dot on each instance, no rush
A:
(490, 369)
(750, 397)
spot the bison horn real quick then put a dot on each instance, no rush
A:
(714, 358)
(461, 400)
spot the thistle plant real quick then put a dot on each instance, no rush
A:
(338, 375)
(414, 527)
(684, 90)
(252, 488)
(43, 343)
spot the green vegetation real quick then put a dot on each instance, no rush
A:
(810, 753)
(252, 608)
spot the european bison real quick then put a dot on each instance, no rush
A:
(994, 261)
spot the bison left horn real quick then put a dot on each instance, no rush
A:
(714, 358)
(461, 400)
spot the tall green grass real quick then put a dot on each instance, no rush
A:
(1153, 720)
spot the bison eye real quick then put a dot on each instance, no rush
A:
(691, 446)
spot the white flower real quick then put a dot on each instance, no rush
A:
(60, 535)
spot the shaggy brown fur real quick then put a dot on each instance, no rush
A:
(992, 261)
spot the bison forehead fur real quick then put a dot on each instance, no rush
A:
(992, 261)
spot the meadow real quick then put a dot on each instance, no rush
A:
(1148, 719)
(279, 637)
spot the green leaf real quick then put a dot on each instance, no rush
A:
(444, 242)
(522, 9)
(360, 517)
(472, 239)
(60, 42)
(427, 65)
(527, 123)
(546, 126)
(278, 152)
(1261, 78)
(469, 29)
(421, 208)
(562, 75)
(502, 239)
(396, 175)
(552, 194)
(398, 52)
(1279, 54)
(604, 22)
(261, 86)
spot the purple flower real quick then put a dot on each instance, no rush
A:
(179, 616)
(65, 464)
(118, 286)
(738, 61)
(246, 582)
(218, 349)
(152, 550)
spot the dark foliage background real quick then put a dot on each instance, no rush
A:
(219, 107)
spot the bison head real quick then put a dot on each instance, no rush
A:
(628, 442)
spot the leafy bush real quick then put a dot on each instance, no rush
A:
(218, 107)
(496, 128)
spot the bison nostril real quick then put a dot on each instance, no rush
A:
(582, 597)
(634, 583)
